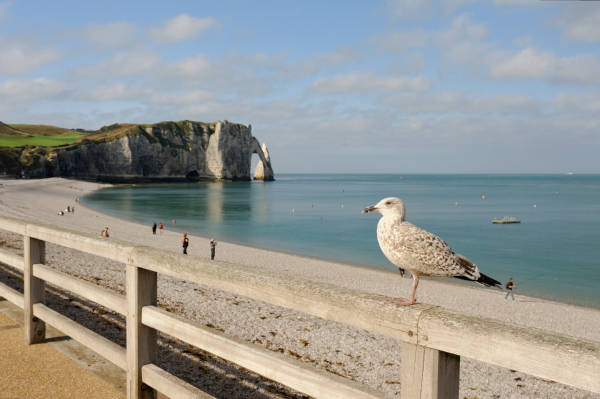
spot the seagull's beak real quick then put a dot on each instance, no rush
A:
(371, 208)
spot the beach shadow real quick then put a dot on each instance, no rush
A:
(58, 339)
(211, 374)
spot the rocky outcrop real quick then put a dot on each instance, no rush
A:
(168, 151)
(263, 170)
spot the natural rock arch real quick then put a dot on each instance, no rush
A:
(263, 170)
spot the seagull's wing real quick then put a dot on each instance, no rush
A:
(433, 255)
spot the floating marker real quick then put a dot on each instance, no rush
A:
(293, 210)
(483, 196)
(342, 205)
(456, 203)
(534, 205)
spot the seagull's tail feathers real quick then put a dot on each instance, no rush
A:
(472, 273)
(483, 279)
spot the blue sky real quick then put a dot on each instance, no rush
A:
(398, 86)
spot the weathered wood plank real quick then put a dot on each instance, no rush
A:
(540, 353)
(33, 290)
(376, 313)
(102, 346)
(13, 225)
(90, 291)
(11, 295)
(543, 354)
(169, 385)
(292, 373)
(428, 374)
(12, 260)
(89, 243)
(141, 340)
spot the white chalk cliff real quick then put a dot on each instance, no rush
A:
(166, 151)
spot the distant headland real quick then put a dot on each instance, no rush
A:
(127, 153)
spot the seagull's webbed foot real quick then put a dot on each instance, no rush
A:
(413, 297)
(405, 302)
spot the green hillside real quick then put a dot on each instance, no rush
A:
(41, 130)
(6, 130)
(40, 141)
(21, 135)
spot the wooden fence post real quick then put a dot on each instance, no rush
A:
(141, 340)
(428, 373)
(34, 289)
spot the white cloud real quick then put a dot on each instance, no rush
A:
(195, 66)
(113, 34)
(138, 62)
(194, 97)
(30, 89)
(182, 27)
(399, 42)
(365, 82)
(577, 102)
(580, 22)
(411, 63)
(531, 63)
(115, 91)
(406, 9)
(465, 43)
(3, 9)
(515, 2)
(456, 102)
(19, 57)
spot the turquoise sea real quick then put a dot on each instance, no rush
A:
(554, 253)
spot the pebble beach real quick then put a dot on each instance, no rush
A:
(370, 359)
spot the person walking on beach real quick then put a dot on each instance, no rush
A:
(509, 289)
(105, 233)
(154, 228)
(160, 228)
(213, 244)
(186, 242)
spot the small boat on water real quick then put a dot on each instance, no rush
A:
(506, 220)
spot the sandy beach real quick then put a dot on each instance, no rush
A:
(368, 358)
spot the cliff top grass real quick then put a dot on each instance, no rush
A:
(39, 141)
(6, 130)
(22, 135)
(41, 130)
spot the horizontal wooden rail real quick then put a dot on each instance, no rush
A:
(415, 324)
(102, 346)
(167, 384)
(102, 296)
(11, 295)
(373, 312)
(11, 259)
(540, 353)
(294, 374)
(552, 356)
(13, 225)
(89, 243)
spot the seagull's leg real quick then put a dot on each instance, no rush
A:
(413, 299)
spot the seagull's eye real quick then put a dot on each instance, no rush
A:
(389, 203)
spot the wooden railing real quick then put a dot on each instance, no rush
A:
(433, 338)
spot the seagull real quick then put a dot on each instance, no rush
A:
(420, 252)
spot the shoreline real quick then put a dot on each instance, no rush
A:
(374, 361)
(449, 281)
(91, 187)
